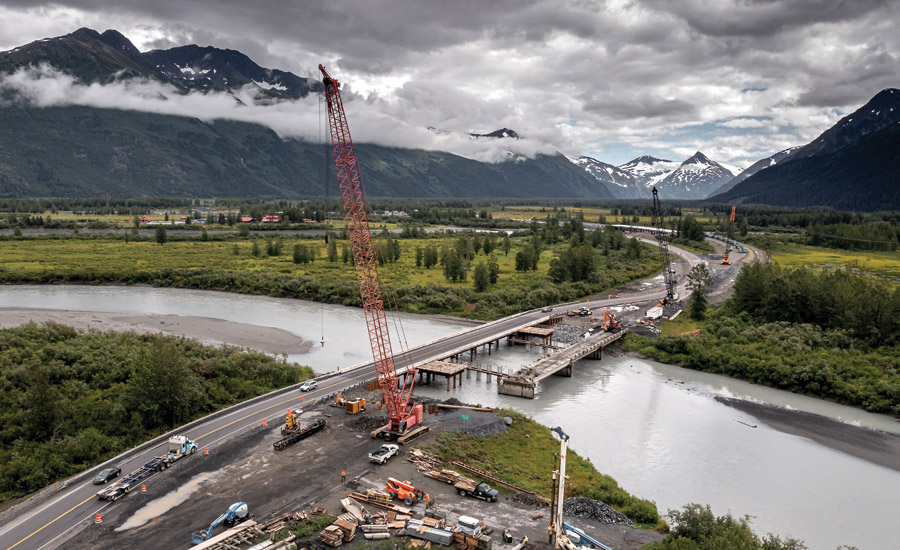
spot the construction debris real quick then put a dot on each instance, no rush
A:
(588, 508)
(355, 509)
(385, 505)
(332, 536)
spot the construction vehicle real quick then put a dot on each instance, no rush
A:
(482, 490)
(384, 453)
(338, 400)
(609, 322)
(404, 491)
(298, 434)
(355, 406)
(668, 272)
(730, 239)
(395, 391)
(236, 513)
(291, 422)
(585, 311)
(177, 448)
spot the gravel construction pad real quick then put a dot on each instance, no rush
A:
(480, 424)
(582, 507)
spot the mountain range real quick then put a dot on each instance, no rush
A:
(695, 178)
(79, 151)
(854, 165)
(90, 151)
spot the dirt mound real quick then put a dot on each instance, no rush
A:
(365, 423)
(582, 507)
(480, 424)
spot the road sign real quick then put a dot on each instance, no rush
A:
(464, 417)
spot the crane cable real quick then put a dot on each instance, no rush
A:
(325, 183)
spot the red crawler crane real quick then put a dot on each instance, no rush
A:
(396, 392)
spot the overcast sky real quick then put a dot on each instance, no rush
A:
(736, 79)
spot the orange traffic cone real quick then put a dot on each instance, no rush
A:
(143, 488)
(206, 451)
(98, 520)
(265, 423)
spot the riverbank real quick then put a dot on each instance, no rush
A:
(871, 445)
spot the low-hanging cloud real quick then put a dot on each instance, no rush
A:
(304, 119)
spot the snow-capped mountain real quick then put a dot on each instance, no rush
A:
(754, 168)
(696, 178)
(501, 133)
(649, 170)
(622, 184)
(93, 57)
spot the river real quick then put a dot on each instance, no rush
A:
(656, 428)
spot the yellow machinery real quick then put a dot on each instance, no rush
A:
(290, 423)
(355, 406)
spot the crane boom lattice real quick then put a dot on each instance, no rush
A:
(396, 394)
(661, 237)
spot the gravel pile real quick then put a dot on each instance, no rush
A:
(566, 334)
(588, 508)
(480, 424)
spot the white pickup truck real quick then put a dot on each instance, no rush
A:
(384, 453)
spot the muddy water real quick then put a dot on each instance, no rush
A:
(161, 505)
(656, 428)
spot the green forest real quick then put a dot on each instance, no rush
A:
(833, 334)
(69, 400)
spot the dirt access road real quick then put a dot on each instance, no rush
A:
(191, 494)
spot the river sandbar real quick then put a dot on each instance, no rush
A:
(205, 329)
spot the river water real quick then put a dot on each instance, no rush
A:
(656, 428)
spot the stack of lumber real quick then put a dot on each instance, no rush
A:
(472, 542)
(348, 529)
(424, 460)
(448, 476)
(332, 536)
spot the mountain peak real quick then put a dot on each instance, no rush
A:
(699, 158)
(501, 133)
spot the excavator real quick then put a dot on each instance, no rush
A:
(609, 322)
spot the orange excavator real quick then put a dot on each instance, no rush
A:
(609, 322)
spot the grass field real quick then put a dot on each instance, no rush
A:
(795, 256)
(192, 263)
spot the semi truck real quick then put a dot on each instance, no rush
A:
(177, 448)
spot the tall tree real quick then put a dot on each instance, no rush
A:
(699, 280)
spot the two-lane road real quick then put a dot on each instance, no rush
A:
(45, 522)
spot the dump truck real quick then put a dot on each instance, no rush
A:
(482, 491)
(177, 448)
(384, 453)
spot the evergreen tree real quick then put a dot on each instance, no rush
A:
(481, 277)
(161, 237)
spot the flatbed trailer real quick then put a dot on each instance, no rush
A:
(299, 435)
(121, 488)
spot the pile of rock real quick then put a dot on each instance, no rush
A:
(588, 508)
(566, 334)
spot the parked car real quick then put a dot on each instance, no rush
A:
(309, 385)
(107, 474)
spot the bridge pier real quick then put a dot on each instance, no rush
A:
(565, 371)
(516, 388)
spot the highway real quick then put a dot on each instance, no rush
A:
(44, 523)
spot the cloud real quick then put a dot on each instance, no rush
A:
(581, 75)
(45, 86)
(743, 123)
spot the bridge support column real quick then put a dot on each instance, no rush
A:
(468, 374)
(471, 355)
(597, 354)
(490, 345)
(565, 371)
(516, 388)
